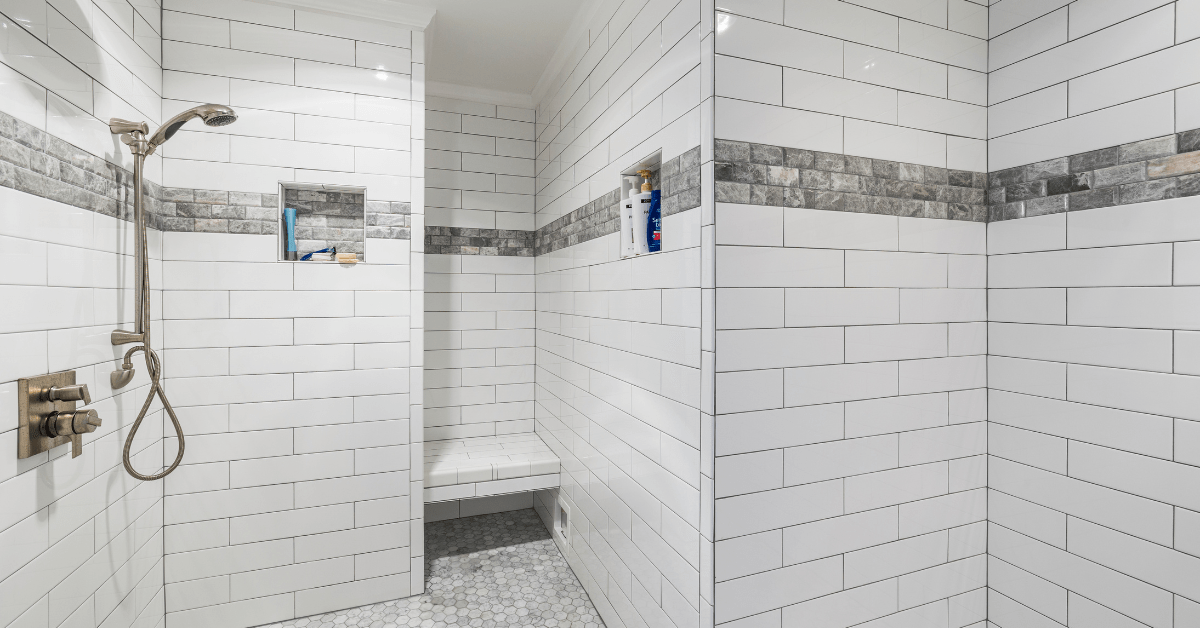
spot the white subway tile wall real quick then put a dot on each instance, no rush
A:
(1090, 416)
(479, 345)
(295, 385)
(479, 165)
(303, 383)
(631, 86)
(81, 542)
(903, 81)
(320, 100)
(618, 400)
(850, 429)
(80, 539)
(67, 68)
(479, 311)
(619, 359)
(1071, 77)
(850, 386)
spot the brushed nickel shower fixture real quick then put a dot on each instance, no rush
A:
(47, 415)
(134, 135)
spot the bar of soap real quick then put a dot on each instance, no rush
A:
(347, 258)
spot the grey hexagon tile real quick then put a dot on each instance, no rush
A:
(490, 571)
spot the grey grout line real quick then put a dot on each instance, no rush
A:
(1070, 41)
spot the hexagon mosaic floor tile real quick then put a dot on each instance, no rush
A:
(490, 571)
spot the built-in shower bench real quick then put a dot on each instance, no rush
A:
(488, 465)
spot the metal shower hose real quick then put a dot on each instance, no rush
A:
(153, 364)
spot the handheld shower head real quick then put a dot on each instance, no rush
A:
(211, 115)
(220, 119)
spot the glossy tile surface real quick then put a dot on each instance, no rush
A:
(485, 571)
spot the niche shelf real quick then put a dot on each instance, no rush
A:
(326, 215)
(630, 185)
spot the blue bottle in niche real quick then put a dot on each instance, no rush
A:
(654, 223)
(289, 220)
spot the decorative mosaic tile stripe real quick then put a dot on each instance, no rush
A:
(759, 174)
(390, 220)
(594, 220)
(210, 211)
(470, 241)
(679, 180)
(38, 163)
(1150, 170)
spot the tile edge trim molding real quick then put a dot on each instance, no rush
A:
(761, 174)
(1148, 170)
(38, 163)
(679, 180)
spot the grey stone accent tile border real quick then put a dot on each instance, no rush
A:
(678, 179)
(472, 241)
(35, 162)
(761, 174)
(390, 220)
(38, 163)
(1149, 170)
(207, 211)
(211, 211)
(597, 219)
(681, 182)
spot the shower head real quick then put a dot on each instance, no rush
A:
(212, 115)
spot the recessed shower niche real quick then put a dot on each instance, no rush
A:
(641, 207)
(322, 223)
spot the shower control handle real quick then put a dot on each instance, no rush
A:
(71, 423)
(78, 392)
(47, 415)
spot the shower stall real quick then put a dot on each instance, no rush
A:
(916, 349)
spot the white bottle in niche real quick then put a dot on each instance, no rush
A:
(641, 215)
(627, 246)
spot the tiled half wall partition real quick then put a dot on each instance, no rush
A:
(302, 381)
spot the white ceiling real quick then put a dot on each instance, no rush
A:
(494, 45)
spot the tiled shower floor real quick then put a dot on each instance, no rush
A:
(485, 572)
